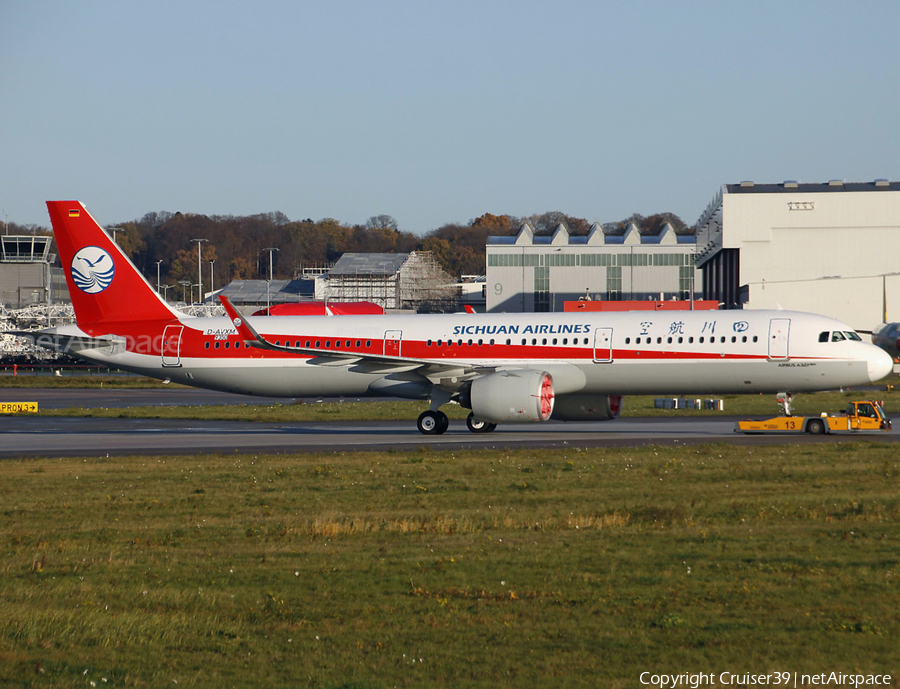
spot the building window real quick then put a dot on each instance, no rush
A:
(614, 283)
(541, 288)
(685, 281)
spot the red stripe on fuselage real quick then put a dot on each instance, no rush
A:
(197, 345)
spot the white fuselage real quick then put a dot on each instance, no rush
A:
(615, 353)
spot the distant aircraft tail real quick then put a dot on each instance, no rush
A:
(104, 284)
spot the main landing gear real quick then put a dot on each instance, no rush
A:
(432, 422)
(479, 426)
(436, 422)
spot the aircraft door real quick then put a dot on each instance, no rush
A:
(171, 345)
(779, 332)
(392, 339)
(603, 346)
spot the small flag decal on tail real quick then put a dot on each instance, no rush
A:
(74, 213)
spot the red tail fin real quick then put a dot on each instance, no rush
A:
(104, 285)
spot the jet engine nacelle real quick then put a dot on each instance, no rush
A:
(514, 396)
(587, 407)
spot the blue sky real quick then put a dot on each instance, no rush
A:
(437, 112)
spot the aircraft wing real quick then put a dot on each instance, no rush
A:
(360, 362)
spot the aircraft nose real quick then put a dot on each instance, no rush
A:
(880, 364)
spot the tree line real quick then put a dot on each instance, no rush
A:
(238, 245)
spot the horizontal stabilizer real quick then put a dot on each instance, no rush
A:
(65, 343)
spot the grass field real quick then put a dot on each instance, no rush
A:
(551, 568)
(85, 382)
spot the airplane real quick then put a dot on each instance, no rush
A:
(887, 336)
(505, 368)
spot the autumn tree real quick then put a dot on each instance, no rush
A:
(381, 222)
(546, 223)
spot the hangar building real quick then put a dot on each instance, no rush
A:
(831, 248)
(538, 273)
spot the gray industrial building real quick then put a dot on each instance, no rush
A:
(539, 273)
(393, 281)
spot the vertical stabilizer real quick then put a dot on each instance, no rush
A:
(104, 284)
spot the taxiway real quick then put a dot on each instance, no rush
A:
(24, 436)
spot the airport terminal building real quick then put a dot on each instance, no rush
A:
(831, 248)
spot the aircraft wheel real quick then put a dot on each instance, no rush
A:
(432, 422)
(815, 427)
(479, 426)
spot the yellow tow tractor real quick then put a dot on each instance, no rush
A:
(864, 415)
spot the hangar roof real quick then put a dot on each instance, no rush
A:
(369, 264)
(790, 187)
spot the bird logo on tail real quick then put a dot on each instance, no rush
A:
(92, 269)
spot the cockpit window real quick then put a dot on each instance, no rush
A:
(838, 336)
